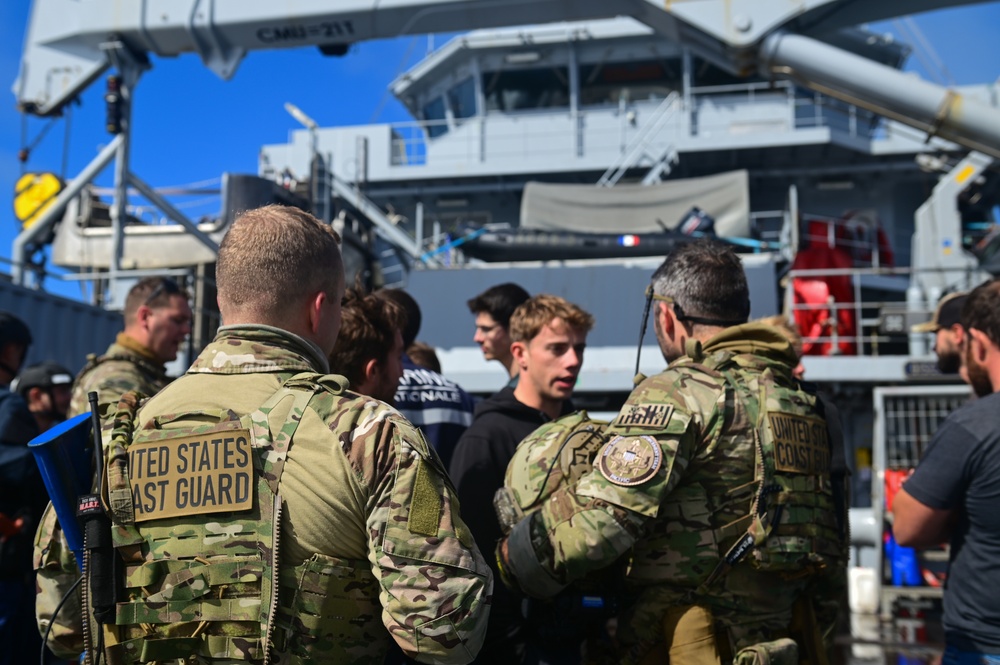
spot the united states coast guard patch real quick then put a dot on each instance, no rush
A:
(630, 460)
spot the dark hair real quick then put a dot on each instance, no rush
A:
(707, 280)
(410, 308)
(499, 301)
(368, 330)
(423, 355)
(13, 330)
(152, 292)
(982, 310)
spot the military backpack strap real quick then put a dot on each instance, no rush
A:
(760, 525)
(117, 485)
(302, 388)
(839, 471)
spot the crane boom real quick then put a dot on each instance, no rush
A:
(64, 55)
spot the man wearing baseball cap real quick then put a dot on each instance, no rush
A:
(22, 500)
(47, 388)
(948, 332)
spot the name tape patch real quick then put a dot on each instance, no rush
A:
(630, 460)
(800, 444)
(191, 475)
(645, 415)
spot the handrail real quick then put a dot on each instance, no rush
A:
(640, 142)
(410, 141)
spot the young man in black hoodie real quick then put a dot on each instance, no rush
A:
(548, 336)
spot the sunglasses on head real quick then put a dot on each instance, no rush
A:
(166, 285)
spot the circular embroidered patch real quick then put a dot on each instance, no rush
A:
(630, 460)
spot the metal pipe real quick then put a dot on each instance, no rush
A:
(48, 218)
(172, 212)
(851, 78)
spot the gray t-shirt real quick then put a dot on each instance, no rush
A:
(961, 472)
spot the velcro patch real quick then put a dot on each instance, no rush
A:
(645, 415)
(192, 475)
(425, 503)
(630, 460)
(800, 443)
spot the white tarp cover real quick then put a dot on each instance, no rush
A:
(636, 208)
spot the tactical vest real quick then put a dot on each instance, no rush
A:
(94, 361)
(784, 521)
(196, 509)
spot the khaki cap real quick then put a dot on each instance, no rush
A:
(947, 314)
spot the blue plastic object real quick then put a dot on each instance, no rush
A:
(903, 560)
(63, 456)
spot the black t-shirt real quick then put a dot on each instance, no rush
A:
(961, 472)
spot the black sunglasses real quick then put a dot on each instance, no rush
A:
(166, 285)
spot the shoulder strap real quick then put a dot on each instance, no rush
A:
(760, 525)
(839, 471)
(301, 388)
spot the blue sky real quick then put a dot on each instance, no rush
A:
(191, 126)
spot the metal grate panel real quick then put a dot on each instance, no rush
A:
(910, 422)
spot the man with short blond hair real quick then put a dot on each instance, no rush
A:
(548, 336)
(338, 524)
(157, 321)
(369, 348)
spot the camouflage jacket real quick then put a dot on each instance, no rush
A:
(119, 370)
(370, 530)
(679, 465)
(113, 374)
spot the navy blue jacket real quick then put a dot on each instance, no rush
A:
(439, 407)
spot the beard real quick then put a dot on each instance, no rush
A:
(949, 362)
(979, 378)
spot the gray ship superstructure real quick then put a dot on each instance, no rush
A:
(507, 121)
(858, 194)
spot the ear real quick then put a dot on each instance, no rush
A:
(520, 351)
(316, 305)
(142, 315)
(959, 332)
(979, 344)
(369, 377)
(665, 316)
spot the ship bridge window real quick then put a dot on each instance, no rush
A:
(648, 79)
(705, 74)
(462, 99)
(434, 115)
(521, 89)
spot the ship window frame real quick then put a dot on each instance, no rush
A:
(435, 126)
(493, 78)
(465, 88)
(671, 81)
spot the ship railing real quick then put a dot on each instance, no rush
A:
(881, 326)
(813, 109)
(640, 142)
(476, 138)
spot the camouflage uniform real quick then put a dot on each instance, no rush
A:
(677, 488)
(371, 543)
(56, 572)
(122, 368)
